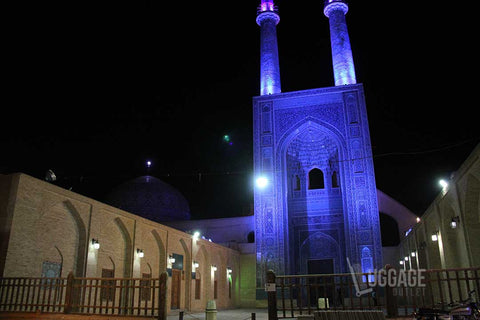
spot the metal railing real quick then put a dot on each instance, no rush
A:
(294, 295)
(442, 287)
(114, 296)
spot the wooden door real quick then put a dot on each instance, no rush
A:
(176, 282)
(215, 289)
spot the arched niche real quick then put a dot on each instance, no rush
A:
(162, 254)
(187, 269)
(471, 224)
(127, 241)
(322, 247)
(202, 278)
(61, 230)
(453, 240)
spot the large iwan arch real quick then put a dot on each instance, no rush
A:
(295, 133)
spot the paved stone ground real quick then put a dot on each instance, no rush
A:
(233, 314)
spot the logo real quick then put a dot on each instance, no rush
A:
(403, 282)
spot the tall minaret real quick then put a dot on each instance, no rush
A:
(343, 68)
(268, 19)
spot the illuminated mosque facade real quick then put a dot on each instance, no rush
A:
(317, 209)
(313, 147)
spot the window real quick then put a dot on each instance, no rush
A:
(335, 180)
(251, 237)
(50, 270)
(315, 179)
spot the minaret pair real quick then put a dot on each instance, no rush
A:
(268, 18)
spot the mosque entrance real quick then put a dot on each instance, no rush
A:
(323, 296)
(320, 266)
(315, 202)
(176, 282)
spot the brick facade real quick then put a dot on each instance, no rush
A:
(45, 223)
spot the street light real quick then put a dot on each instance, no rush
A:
(261, 182)
(443, 183)
(454, 222)
(95, 244)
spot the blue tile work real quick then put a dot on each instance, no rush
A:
(267, 19)
(342, 58)
(295, 132)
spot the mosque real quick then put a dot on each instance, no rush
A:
(317, 205)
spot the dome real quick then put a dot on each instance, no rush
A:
(150, 198)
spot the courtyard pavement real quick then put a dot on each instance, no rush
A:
(233, 314)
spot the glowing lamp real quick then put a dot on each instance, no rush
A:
(214, 267)
(413, 254)
(443, 183)
(261, 182)
(454, 222)
(434, 236)
(196, 264)
(196, 234)
(171, 259)
(140, 253)
(401, 262)
(406, 258)
(95, 244)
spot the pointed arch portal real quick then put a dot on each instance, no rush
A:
(314, 148)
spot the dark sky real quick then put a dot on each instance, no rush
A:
(97, 89)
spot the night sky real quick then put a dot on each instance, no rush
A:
(96, 90)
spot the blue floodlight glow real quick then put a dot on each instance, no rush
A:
(304, 168)
(266, 6)
(267, 19)
(342, 58)
(261, 182)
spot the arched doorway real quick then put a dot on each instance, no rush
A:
(315, 206)
(320, 254)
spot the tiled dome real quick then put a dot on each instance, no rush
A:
(150, 198)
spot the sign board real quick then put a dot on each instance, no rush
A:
(323, 303)
(270, 287)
